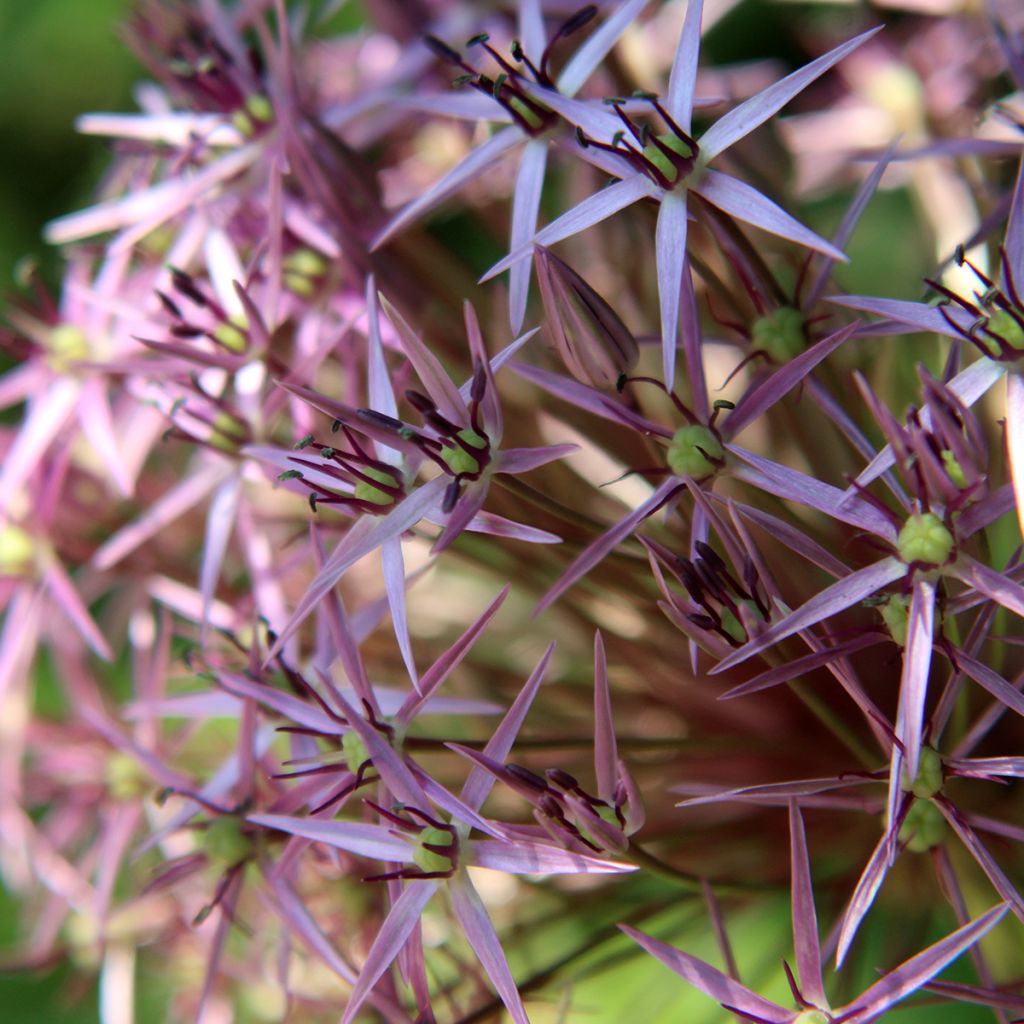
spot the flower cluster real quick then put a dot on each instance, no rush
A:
(380, 643)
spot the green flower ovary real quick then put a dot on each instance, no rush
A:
(655, 155)
(925, 539)
(812, 1017)
(125, 777)
(374, 495)
(231, 334)
(301, 270)
(695, 451)
(928, 781)
(1004, 325)
(954, 470)
(225, 842)
(461, 462)
(923, 827)
(17, 549)
(354, 750)
(430, 861)
(66, 345)
(895, 612)
(780, 334)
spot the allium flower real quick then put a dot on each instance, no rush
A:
(809, 992)
(665, 165)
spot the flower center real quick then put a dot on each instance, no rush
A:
(780, 334)
(926, 540)
(812, 1017)
(928, 781)
(923, 827)
(354, 749)
(655, 152)
(66, 346)
(225, 842)
(16, 550)
(374, 495)
(462, 462)
(696, 451)
(436, 851)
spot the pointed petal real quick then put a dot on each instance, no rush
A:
(449, 661)
(917, 662)
(466, 509)
(481, 781)
(782, 381)
(220, 520)
(991, 681)
(482, 937)
(842, 594)
(864, 893)
(64, 594)
(1015, 436)
(745, 203)
(591, 211)
(683, 79)
(994, 585)
(608, 540)
(525, 204)
(917, 315)
(670, 253)
(710, 981)
(1015, 231)
(466, 170)
(394, 932)
(438, 384)
(582, 64)
(525, 857)
(376, 842)
(749, 115)
(522, 460)
(606, 754)
(393, 570)
(531, 28)
(693, 347)
(805, 920)
(356, 545)
(378, 384)
(912, 974)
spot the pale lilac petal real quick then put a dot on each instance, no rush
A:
(745, 203)
(712, 982)
(66, 597)
(582, 64)
(474, 164)
(525, 205)
(490, 407)
(608, 540)
(1014, 240)
(465, 105)
(805, 920)
(796, 667)
(466, 509)
(168, 507)
(693, 347)
(994, 585)
(393, 570)
(606, 754)
(220, 520)
(683, 79)
(991, 681)
(438, 384)
(531, 28)
(917, 662)
(481, 781)
(864, 894)
(179, 129)
(441, 669)
(376, 842)
(912, 974)
(1000, 882)
(394, 772)
(782, 381)
(914, 314)
(742, 120)
(985, 767)
(1015, 435)
(378, 382)
(482, 937)
(807, 490)
(595, 119)
(591, 211)
(356, 545)
(45, 418)
(670, 255)
(455, 808)
(522, 857)
(396, 929)
(842, 594)
(522, 460)
(499, 526)
(774, 792)
(98, 426)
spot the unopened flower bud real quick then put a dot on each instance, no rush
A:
(595, 345)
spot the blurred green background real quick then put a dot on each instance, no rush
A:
(58, 58)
